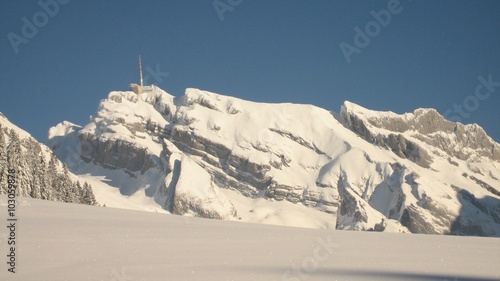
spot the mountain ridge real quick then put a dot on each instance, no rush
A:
(429, 123)
(352, 167)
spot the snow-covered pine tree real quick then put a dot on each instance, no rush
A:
(63, 187)
(71, 192)
(52, 187)
(88, 195)
(13, 150)
(34, 163)
(14, 154)
(77, 190)
(24, 172)
(45, 187)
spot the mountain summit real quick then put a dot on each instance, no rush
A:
(209, 155)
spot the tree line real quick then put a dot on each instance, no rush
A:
(35, 177)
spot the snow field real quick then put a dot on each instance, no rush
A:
(58, 241)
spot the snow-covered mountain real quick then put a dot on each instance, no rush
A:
(35, 169)
(209, 155)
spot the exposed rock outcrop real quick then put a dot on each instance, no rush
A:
(464, 142)
(116, 153)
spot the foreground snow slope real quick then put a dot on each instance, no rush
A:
(58, 241)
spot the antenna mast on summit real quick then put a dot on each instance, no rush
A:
(140, 70)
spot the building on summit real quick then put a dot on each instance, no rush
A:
(139, 89)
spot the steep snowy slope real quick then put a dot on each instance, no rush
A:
(463, 159)
(122, 245)
(209, 155)
(35, 170)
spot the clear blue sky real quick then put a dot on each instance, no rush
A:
(430, 54)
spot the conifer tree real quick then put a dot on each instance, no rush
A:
(13, 150)
(88, 195)
(14, 155)
(78, 192)
(67, 186)
(45, 187)
(40, 176)
(35, 190)
(52, 179)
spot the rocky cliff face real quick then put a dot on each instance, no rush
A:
(404, 174)
(465, 142)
